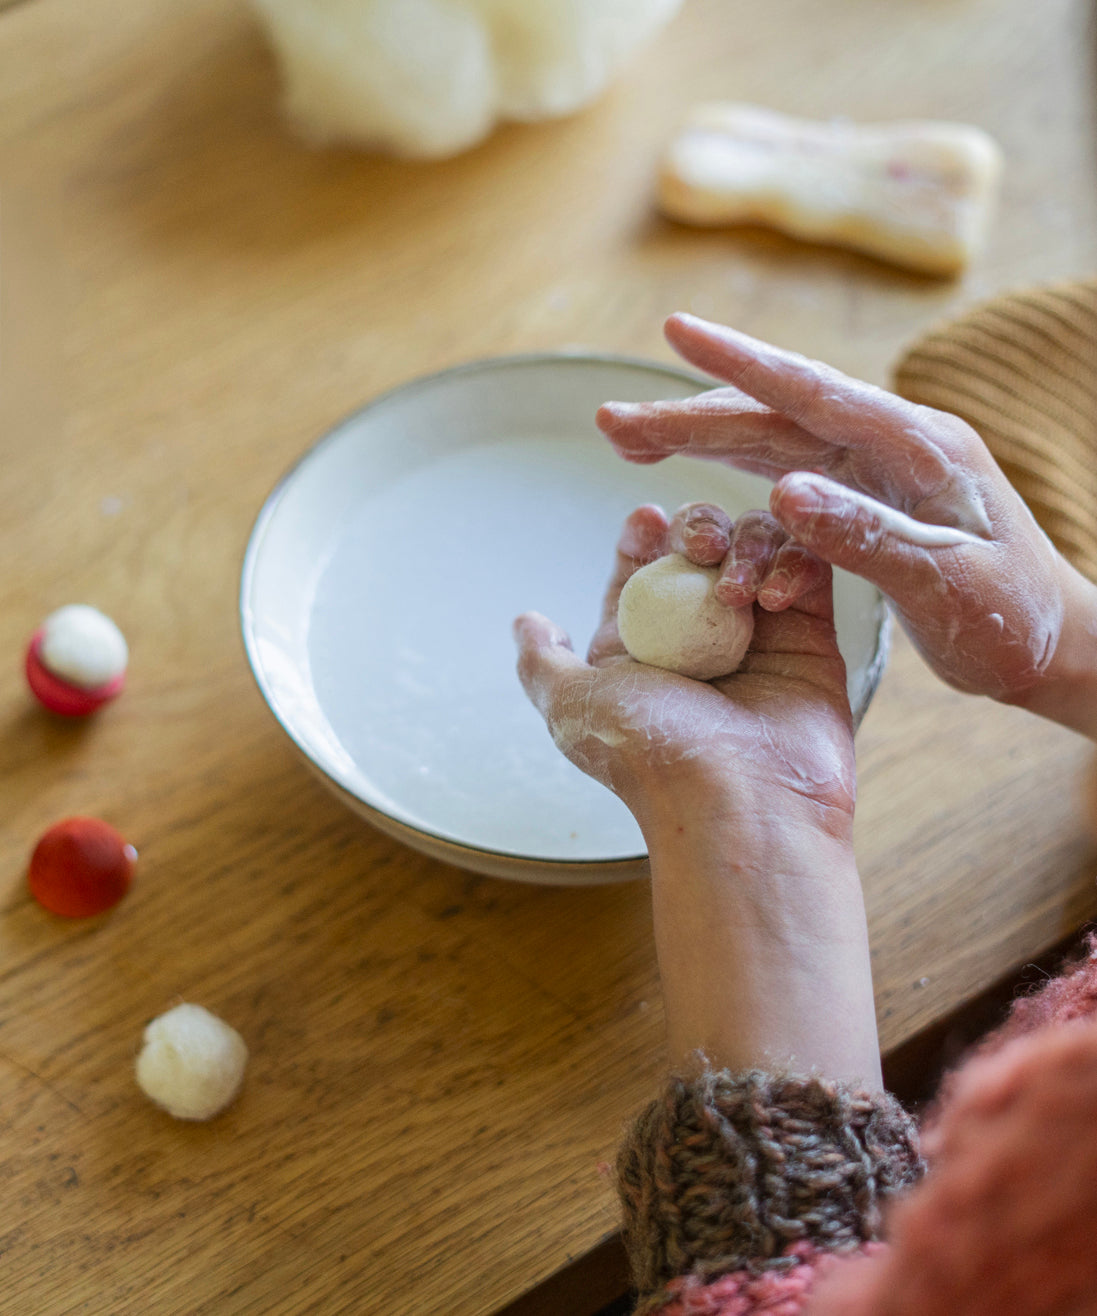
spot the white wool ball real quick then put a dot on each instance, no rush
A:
(413, 77)
(669, 616)
(191, 1062)
(83, 646)
(554, 56)
(430, 78)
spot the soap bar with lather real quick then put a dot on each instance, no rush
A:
(917, 193)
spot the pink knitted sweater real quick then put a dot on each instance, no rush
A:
(790, 1196)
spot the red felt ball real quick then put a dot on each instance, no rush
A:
(80, 867)
(61, 696)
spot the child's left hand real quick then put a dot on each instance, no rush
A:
(780, 723)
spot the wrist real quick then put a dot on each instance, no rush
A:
(713, 794)
(771, 863)
(760, 932)
(1067, 690)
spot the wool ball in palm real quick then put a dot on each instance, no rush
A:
(191, 1062)
(669, 616)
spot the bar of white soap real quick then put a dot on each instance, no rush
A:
(191, 1062)
(669, 616)
(918, 193)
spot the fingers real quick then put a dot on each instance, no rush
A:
(758, 561)
(642, 540)
(762, 564)
(901, 466)
(794, 575)
(842, 411)
(805, 627)
(756, 539)
(787, 413)
(700, 532)
(849, 530)
(796, 628)
(545, 658)
(720, 425)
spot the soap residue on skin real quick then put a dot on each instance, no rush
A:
(884, 519)
(626, 724)
(906, 496)
(921, 533)
(643, 721)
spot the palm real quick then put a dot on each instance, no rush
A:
(781, 721)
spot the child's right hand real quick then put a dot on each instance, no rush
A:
(904, 495)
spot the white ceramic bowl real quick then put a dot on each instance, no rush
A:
(384, 572)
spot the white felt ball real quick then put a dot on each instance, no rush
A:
(669, 616)
(83, 646)
(191, 1062)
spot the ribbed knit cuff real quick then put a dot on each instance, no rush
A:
(725, 1172)
(1021, 369)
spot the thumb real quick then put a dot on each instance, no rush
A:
(850, 530)
(545, 657)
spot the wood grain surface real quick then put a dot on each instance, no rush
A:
(189, 297)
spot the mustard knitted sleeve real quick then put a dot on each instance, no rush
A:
(1021, 369)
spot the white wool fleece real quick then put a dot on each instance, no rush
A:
(430, 78)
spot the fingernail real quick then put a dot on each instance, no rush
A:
(733, 594)
(705, 545)
(704, 518)
(776, 592)
(743, 574)
(738, 585)
(610, 414)
(688, 317)
(703, 526)
(804, 485)
(631, 542)
(704, 533)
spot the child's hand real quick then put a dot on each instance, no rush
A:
(904, 495)
(779, 723)
(744, 790)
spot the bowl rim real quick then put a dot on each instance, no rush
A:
(614, 868)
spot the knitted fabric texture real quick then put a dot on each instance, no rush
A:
(1006, 1220)
(726, 1172)
(746, 1293)
(1022, 371)
(1070, 997)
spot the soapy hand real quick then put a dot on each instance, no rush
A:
(904, 495)
(779, 723)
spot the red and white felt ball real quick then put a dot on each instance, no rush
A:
(76, 660)
(80, 867)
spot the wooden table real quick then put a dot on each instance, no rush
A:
(440, 1062)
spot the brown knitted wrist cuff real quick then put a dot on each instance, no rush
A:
(723, 1172)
